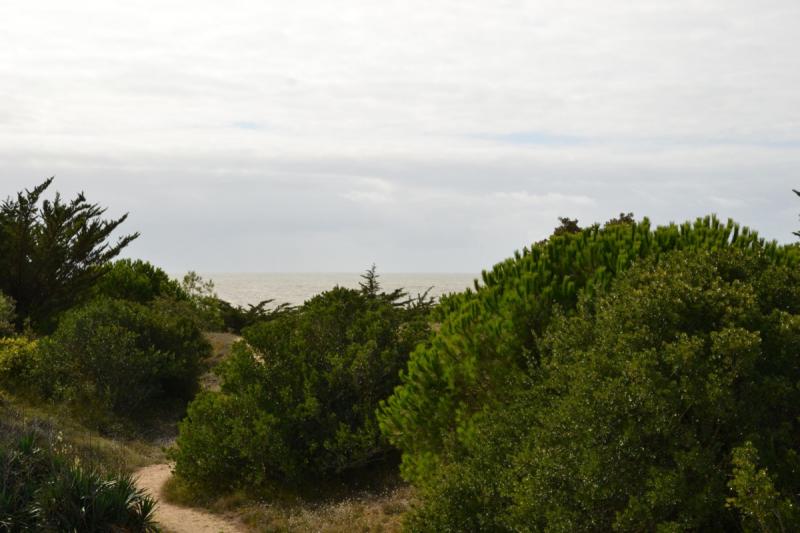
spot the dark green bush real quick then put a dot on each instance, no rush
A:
(299, 394)
(120, 356)
(44, 489)
(137, 281)
(6, 315)
(460, 410)
(646, 392)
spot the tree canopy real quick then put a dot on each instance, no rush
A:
(53, 251)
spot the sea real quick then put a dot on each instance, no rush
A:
(296, 288)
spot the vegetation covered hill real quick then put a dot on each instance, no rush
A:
(617, 377)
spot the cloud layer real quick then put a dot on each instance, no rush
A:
(425, 136)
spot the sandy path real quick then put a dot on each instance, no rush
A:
(179, 519)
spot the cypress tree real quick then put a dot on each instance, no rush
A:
(52, 252)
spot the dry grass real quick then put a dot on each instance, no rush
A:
(105, 453)
(221, 344)
(367, 511)
(364, 513)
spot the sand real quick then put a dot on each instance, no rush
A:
(174, 518)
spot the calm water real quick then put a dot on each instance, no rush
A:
(243, 289)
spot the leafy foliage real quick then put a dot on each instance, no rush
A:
(644, 393)
(120, 355)
(6, 315)
(299, 394)
(138, 281)
(457, 410)
(755, 496)
(623, 218)
(18, 359)
(567, 226)
(52, 252)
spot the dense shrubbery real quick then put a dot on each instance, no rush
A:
(137, 281)
(299, 394)
(479, 405)
(119, 356)
(44, 488)
(644, 393)
(6, 315)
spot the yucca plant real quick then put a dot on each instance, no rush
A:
(84, 500)
(41, 489)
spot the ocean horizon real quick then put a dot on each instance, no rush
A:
(296, 287)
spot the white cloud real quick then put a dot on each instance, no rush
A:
(387, 119)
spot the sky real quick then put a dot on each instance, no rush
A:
(424, 136)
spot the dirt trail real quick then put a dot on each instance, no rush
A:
(179, 519)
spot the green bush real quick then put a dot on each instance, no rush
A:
(460, 410)
(299, 394)
(6, 315)
(646, 393)
(44, 489)
(120, 356)
(18, 360)
(137, 281)
(760, 505)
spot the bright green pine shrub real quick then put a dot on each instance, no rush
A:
(43, 488)
(299, 395)
(456, 416)
(120, 356)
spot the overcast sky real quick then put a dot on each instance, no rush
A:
(435, 135)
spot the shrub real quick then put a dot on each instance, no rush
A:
(299, 394)
(203, 303)
(647, 391)
(761, 506)
(138, 281)
(121, 355)
(456, 416)
(6, 315)
(18, 360)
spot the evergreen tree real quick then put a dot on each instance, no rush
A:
(370, 286)
(52, 252)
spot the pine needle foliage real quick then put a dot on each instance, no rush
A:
(488, 347)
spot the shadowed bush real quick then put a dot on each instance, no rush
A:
(120, 356)
(299, 394)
